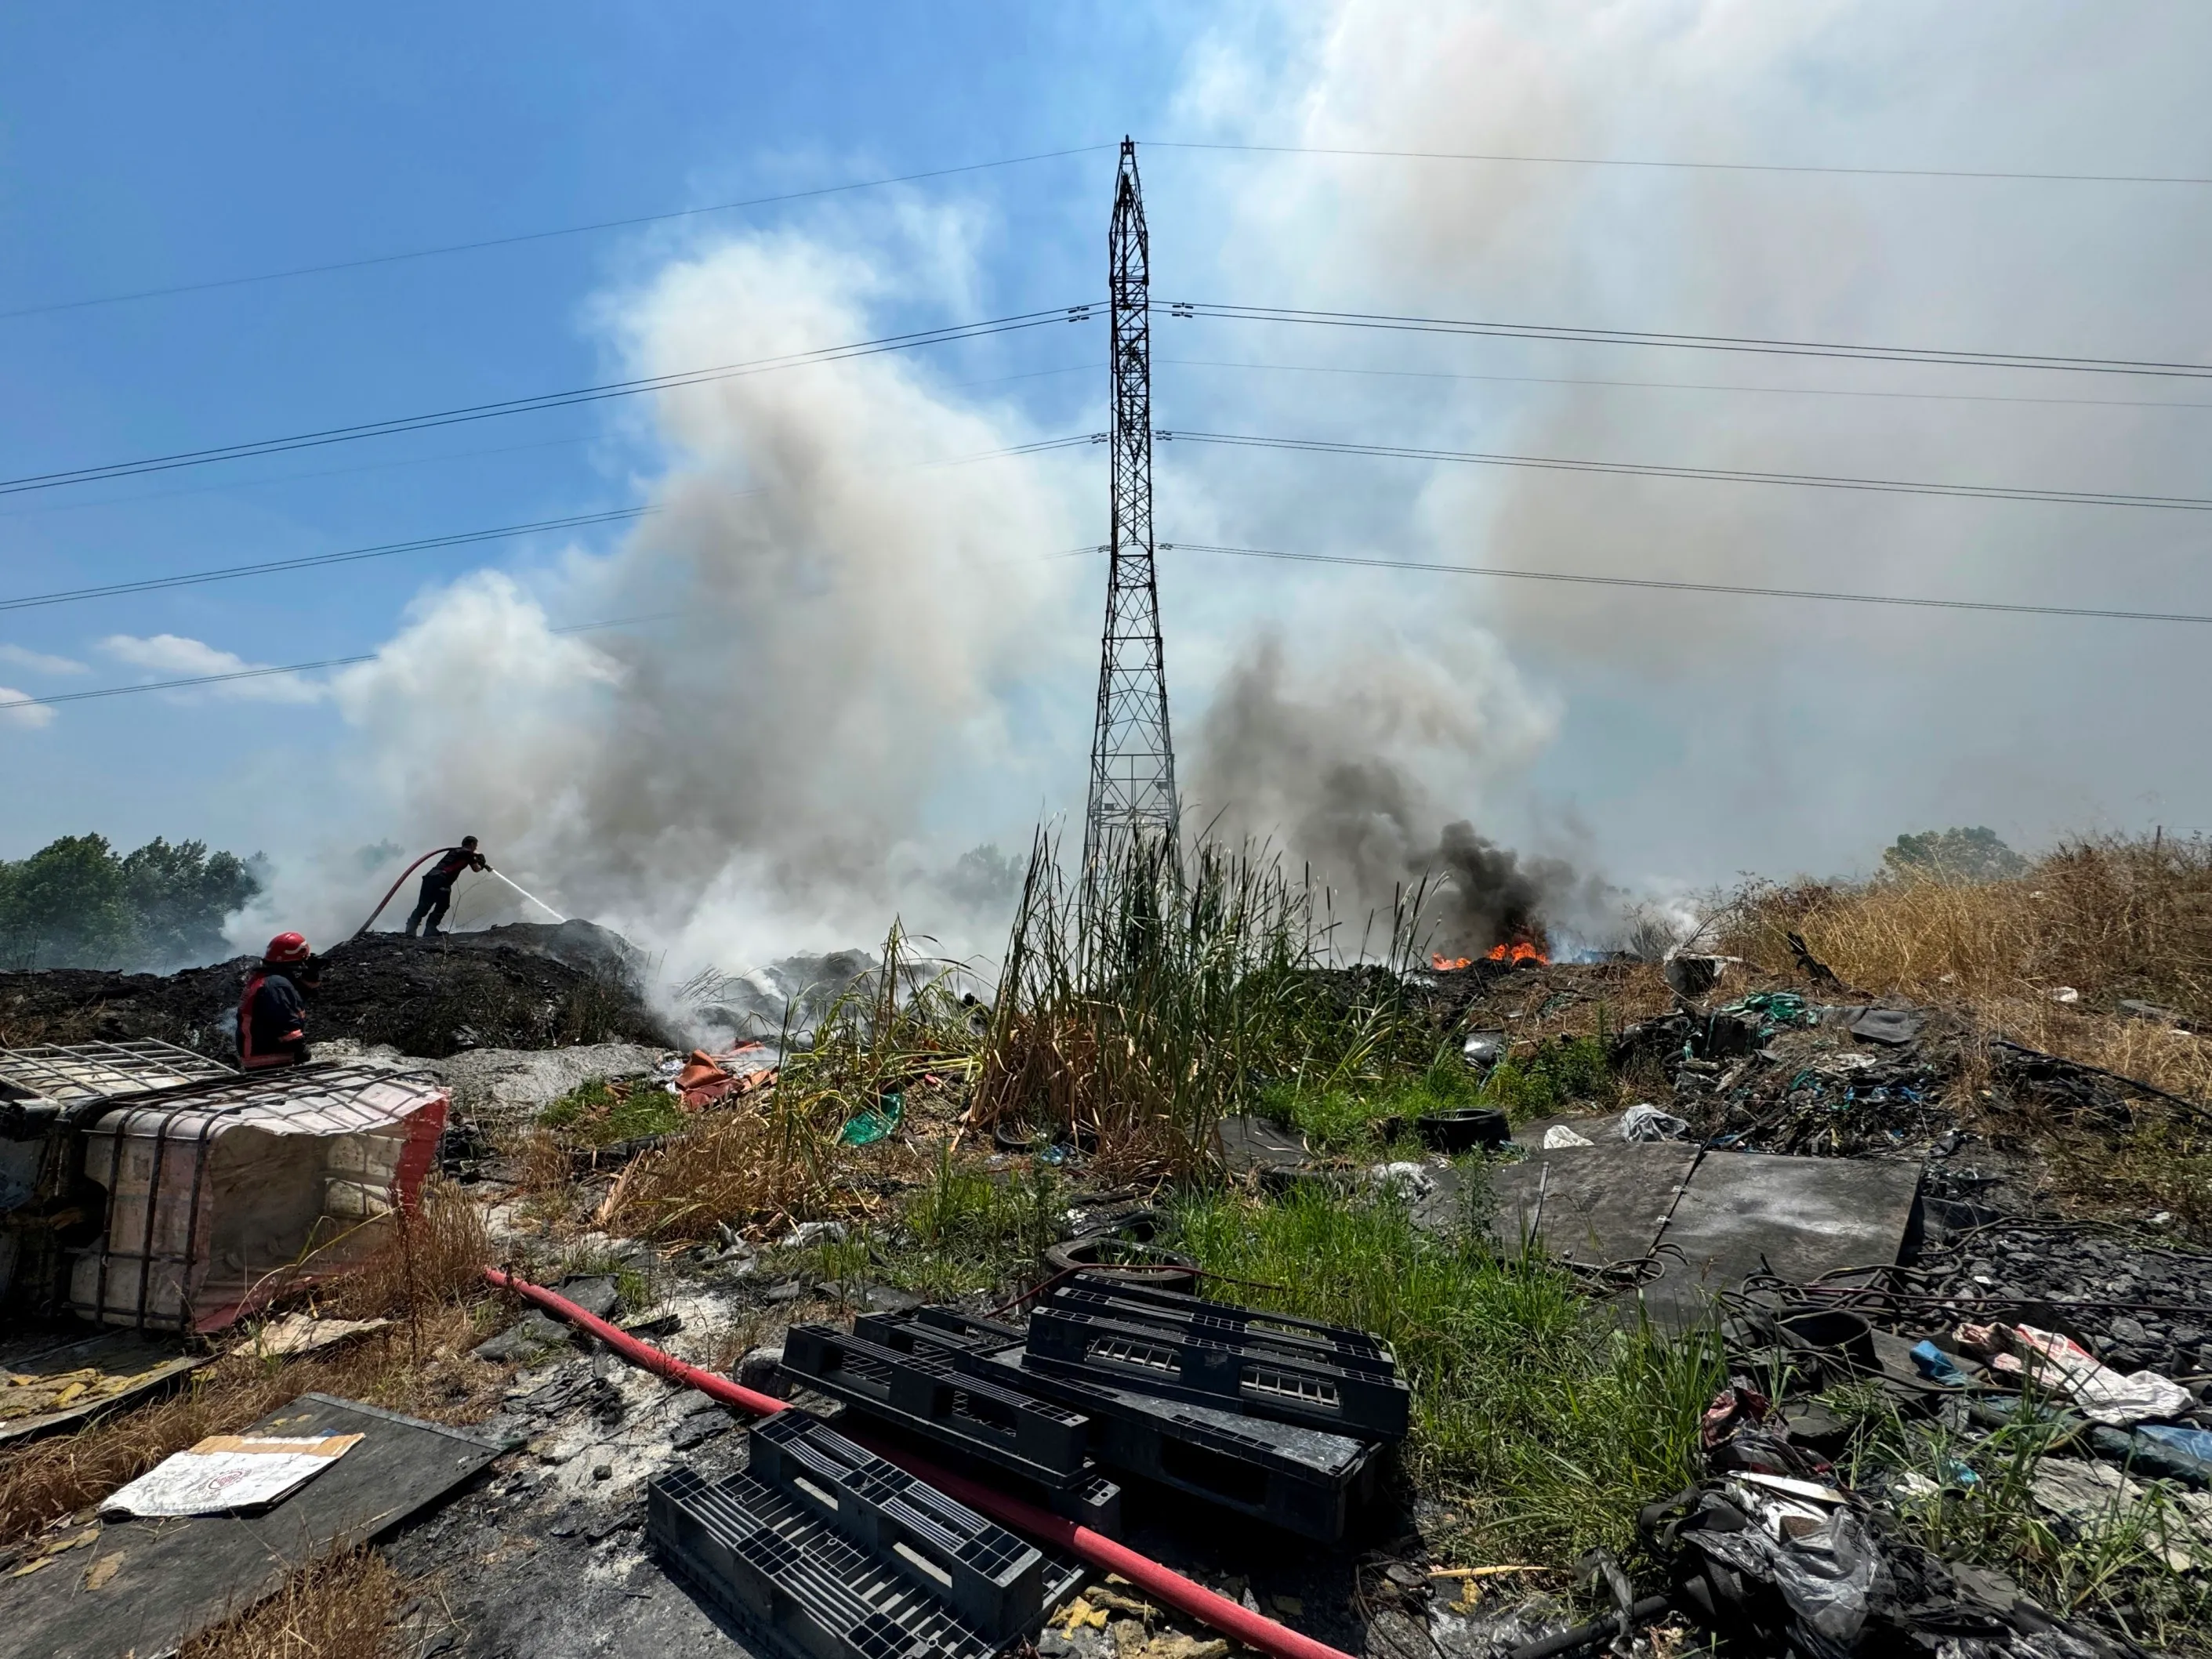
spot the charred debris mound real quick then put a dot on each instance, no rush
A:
(523, 986)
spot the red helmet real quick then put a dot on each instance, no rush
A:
(287, 947)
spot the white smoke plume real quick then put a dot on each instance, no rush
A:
(1701, 735)
(845, 604)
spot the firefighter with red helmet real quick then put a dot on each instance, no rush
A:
(272, 1014)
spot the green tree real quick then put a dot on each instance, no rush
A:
(179, 897)
(65, 907)
(75, 903)
(1953, 855)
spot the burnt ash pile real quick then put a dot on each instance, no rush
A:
(517, 987)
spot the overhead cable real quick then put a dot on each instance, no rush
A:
(1707, 474)
(544, 400)
(539, 235)
(458, 538)
(1690, 166)
(1660, 586)
(1778, 348)
(308, 561)
(290, 668)
(1687, 386)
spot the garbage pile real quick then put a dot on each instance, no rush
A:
(1774, 1073)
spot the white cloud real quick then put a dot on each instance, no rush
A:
(37, 661)
(14, 711)
(183, 658)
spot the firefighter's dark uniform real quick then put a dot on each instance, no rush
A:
(438, 888)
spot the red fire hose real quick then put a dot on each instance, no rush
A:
(1162, 1583)
(394, 888)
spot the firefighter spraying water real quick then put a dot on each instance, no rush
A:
(436, 896)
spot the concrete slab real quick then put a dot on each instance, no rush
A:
(1797, 1217)
(1601, 1203)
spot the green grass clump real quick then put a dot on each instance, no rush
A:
(1341, 1117)
(600, 1113)
(1548, 1425)
(1542, 1082)
(973, 1231)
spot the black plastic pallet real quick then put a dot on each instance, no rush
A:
(1148, 1341)
(1305, 1481)
(789, 1579)
(993, 1580)
(925, 1393)
(832, 1552)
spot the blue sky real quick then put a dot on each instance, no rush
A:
(877, 639)
(161, 148)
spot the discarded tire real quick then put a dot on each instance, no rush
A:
(1464, 1128)
(1101, 1253)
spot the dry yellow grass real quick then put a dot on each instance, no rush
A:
(340, 1609)
(759, 1167)
(2112, 918)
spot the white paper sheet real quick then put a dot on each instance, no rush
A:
(228, 1471)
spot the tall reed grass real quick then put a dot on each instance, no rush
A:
(1146, 998)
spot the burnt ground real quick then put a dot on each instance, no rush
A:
(524, 985)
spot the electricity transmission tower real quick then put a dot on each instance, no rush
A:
(1133, 787)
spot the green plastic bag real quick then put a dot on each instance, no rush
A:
(869, 1127)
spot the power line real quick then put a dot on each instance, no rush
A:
(459, 538)
(1688, 386)
(1778, 348)
(544, 400)
(538, 235)
(441, 457)
(289, 668)
(1694, 166)
(297, 477)
(1690, 587)
(1708, 474)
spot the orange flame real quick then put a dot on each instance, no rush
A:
(1444, 964)
(1519, 950)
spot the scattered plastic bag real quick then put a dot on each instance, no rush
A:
(1560, 1136)
(1410, 1181)
(1648, 1123)
(1741, 1431)
(2103, 1395)
(1830, 1576)
(1932, 1362)
(868, 1128)
(1776, 1008)
(2161, 1450)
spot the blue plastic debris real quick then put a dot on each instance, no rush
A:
(1932, 1362)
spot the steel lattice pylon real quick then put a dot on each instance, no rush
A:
(1133, 785)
